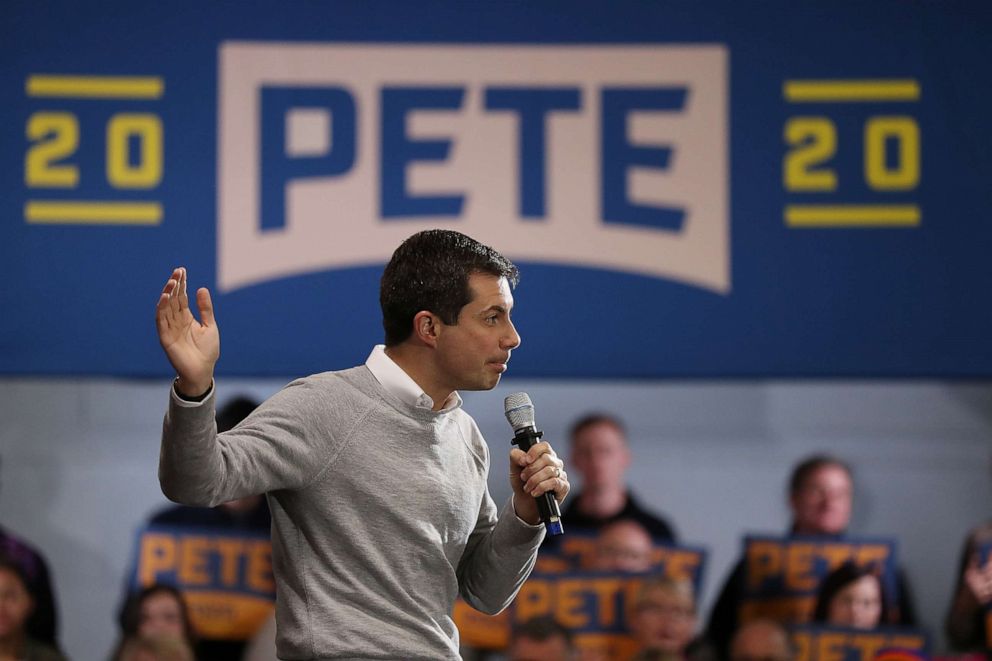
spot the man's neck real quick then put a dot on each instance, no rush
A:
(413, 360)
(602, 503)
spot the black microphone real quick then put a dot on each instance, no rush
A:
(520, 414)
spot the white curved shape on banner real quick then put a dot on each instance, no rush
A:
(335, 222)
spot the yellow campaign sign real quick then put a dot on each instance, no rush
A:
(839, 644)
(226, 577)
(476, 629)
(589, 603)
(782, 575)
(592, 606)
(223, 615)
(578, 552)
(782, 609)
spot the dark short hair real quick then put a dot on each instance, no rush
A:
(592, 419)
(430, 271)
(805, 469)
(541, 628)
(839, 579)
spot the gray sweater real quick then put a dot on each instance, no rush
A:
(381, 513)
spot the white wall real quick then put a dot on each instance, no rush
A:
(79, 468)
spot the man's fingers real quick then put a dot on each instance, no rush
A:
(162, 317)
(175, 283)
(206, 306)
(171, 282)
(549, 478)
(181, 290)
(538, 450)
(167, 304)
(537, 458)
(542, 470)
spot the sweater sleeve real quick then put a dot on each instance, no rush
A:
(498, 558)
(281, 445)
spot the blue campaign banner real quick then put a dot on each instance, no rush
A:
(225, 577)
(572, 586)
(782, 575)
(594, 606)
(824, 643)
(692, 190)
(578, 551)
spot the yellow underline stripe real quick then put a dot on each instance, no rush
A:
(93, 213)
(96, 87)
(851, 91)
(852, 215)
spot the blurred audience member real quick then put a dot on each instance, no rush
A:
(16, 604)
(965, 621)
(624, 545)
(157, 611)
(541, 639)
(599, 452)
(762, 640)
(821, 496)
(663, 620)
(851, 596)
(248, 515)
(43, 623)
(155, 648)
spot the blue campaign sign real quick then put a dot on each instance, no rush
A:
(224, 575)
(828, 643)
(782, 575)
(578, 551)
(721, 189)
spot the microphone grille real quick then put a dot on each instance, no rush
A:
(519, 410)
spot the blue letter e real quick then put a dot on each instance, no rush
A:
(619, 155)
(398, 150)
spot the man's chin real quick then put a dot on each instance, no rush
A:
(482, 384)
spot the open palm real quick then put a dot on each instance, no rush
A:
(192, 346)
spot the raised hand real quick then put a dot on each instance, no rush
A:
(192, 346)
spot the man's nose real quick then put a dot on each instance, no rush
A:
(512, 339)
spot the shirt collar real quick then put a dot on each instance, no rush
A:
(399, 384)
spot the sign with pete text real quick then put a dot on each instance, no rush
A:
(725, 190)
(226, 578)
(782, 575)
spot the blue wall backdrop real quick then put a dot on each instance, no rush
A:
(691, 189)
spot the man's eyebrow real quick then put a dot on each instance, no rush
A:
(496, 307)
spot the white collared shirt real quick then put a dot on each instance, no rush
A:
(399, 384)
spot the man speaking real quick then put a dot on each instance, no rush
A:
(375, 476)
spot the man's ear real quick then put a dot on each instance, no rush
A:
(426, 326)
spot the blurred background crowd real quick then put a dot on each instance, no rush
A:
(620, 532)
